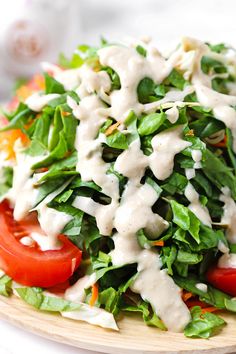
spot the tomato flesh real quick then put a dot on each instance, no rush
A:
(223, 279)
(29, 265)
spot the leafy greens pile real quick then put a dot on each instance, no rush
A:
(188, 247)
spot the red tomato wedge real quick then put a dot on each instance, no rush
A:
(223, 279)
(29, 265)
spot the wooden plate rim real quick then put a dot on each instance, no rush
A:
(133, 337)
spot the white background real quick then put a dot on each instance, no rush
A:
(166, 21)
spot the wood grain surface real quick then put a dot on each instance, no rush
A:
(133, 337)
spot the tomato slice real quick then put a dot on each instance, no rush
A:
(223, 279)
(29, 265)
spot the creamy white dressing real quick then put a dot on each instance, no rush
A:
(27, 241)
(152, 284)
(229, 216)
(93, 315)
(202, 287)
(104, 214)
(92, 115)
(52, 222)
(37, 102)
(218, 102)
(175, 97)
(190, 173)
(220, 105)
(2, 273)
(131, 68)
(172, 114)
(23, 193)
(222, 247)
(197, 156)
(137, 162)
(51, 229)
(195, 205)
(76, 292)
(68, 78)
(165, 146)
(227, 260)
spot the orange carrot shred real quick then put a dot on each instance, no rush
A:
(8, 139)
(221, 143)
(187, 295)
(112, 128)
(94, 294)
(65, 114)
(209, 309)
(158, 243)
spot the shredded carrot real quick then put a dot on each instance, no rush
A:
(159, 243)
(43, 169)
(39, 82)
(187, 295)
(8, 139)
(94, 294)
(112, 128)
(221, 143)
(36, 84)
(24, 92)
(65, 114)
(209, 309)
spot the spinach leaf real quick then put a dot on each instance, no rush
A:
(145, 89)
(115, 80)
(110, 300)
(188, 258)
(150, 123)
(6, 180)
(142, 51)
(203, 325)
(180, 215)
(117, 140)
(176, 183)
(213, 296)
(39, 139)
(73, 228)
(160, 90)
(18, 119)
(229, 143)
(175, 79)
(219, 173)
(52, 85)
(218, 48)
(168, 257)
(210, 65)
(149, 316)
(206, 126)
(58, 153)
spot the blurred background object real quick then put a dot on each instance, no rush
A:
(32, 31)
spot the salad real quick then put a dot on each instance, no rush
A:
(118, 186)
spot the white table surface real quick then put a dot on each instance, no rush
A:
(164, 20)
(17, 341)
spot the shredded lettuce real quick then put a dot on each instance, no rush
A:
(5, 285)
(77, 311)
(203, 325)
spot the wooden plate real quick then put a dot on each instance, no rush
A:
(134, 336)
